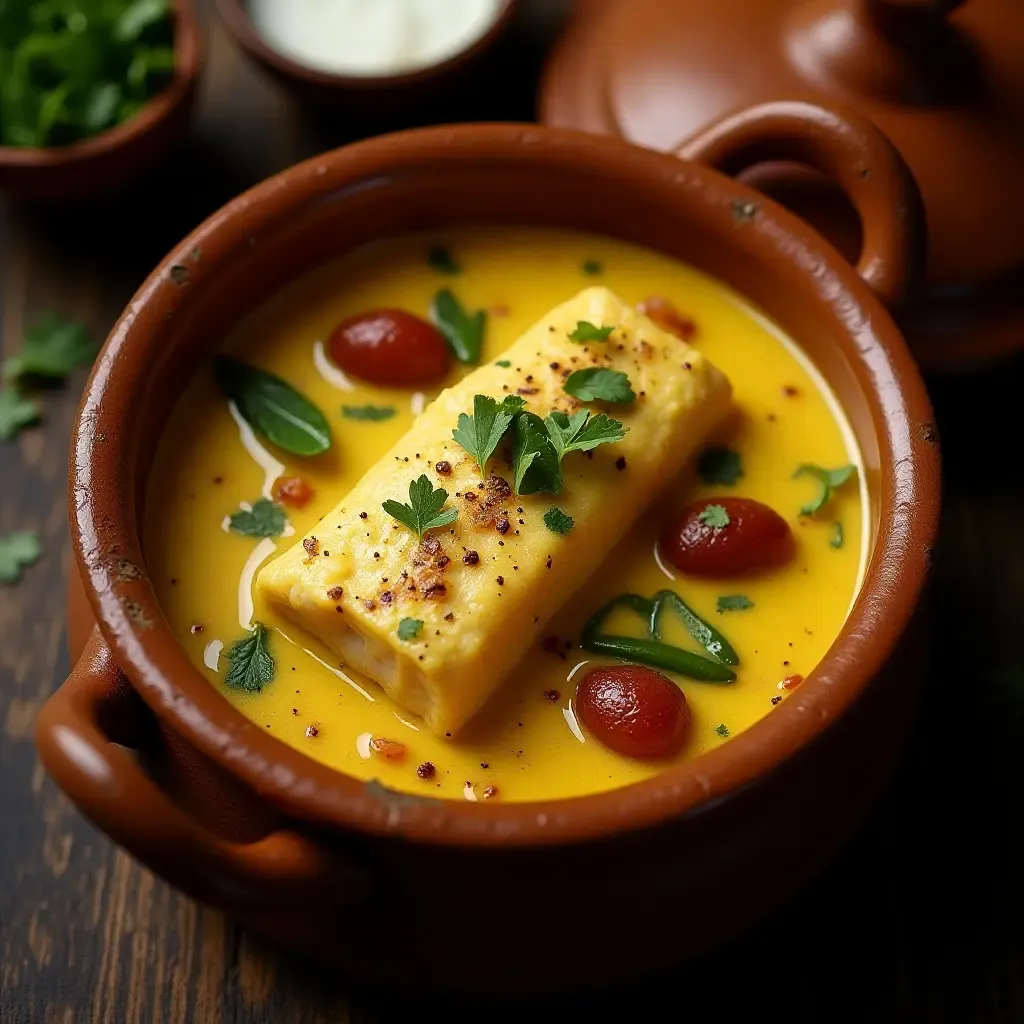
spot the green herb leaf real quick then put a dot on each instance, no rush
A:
(719, 466)
(371, 413)
(596, 384)
(715, 516)
(722, 730)
(409, 629)
(265, 519)
(425, 510)
(137, 17)
(535, 460)
(16, 412)
(829, 480)
(734, 603)
(838, 537)
(582, 432)
(18, 551)
(273, 408)
(558, 521)
(591, 268)
(441, 259)
(481, 433)
(504, 363)
(465, 333)
(53, 348)
(250, 666)
(585, 331)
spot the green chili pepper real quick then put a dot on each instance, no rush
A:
(703, 632)
(660, 655)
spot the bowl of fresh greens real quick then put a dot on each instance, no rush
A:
(92, 92)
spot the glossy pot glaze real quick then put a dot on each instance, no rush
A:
(452, 894)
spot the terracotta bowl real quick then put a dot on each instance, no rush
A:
(359, 93)
(473, 896)
(102, 165)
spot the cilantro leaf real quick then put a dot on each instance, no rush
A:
(591, 268)
(409, 629)
(17, 551)
(535, 460)
(16, 411)
(53, 348)
(828, 480)
(596, 384)
(481, 433)
(464, 333)
(425, 510)
(719, 466)
(371, 413)
(838, 537)
(734, 603)
(503, 363)
(582, 432)
(722, 730)
(265, 519)
(586, 331)
(715, 516)
(441, 259)
(250, 666)
(558, 521)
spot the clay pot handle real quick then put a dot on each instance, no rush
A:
(850, 150)
(281, 870)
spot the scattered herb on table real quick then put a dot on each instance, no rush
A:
(718, 465)
(582, 432)
(838, 536)
(596, 384)
(503, 363)
(409, 629)
(265, 519)
(558, 521)
(829, 480)
(481, 433)
(715, 516)
(18, 551)
(441, 259)
(250, 666)
(722, 730)
(534, 459)
(585, 331)
(370, 413)
(53, 348)
(734, 603)
(16, 411)
(425, 510)
(463, 331)
(591, 268)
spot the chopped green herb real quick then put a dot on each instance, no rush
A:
(715, 516)
(441, 259)
(829, 480)
(265, 519)
(273, 408)
(371, 413)
(558, 521)
(18, 551)
(719, 466)
(582, 432)
(16, 411)
(838, 537)
(722, 730)
(481, 433)
(596, 384)
(425, 510)
(534, 458)
(409, 629)
(504, 363)
(464, 333)
(53, 348)
(585, 331)
(250, 666)
(734, 603)
(591, 268)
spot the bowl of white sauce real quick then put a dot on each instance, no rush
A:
(330, 49)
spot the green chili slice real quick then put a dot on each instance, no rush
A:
(703, 632)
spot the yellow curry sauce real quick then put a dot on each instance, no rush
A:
(527, 743)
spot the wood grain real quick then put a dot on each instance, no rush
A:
(918, 921)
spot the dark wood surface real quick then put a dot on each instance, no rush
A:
(920, 920)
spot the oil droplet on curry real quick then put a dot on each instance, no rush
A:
(761, 536)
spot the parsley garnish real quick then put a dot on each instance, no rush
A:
(585, 331)
(734, 603)
(250, 666)
(591, 268)
(441, 259)
(558, 521)
(715, 516)
(722, 730)
(719, 466)
(504, 363)
(17, 551)
(53, 348)
(582, 432)
(481, 433)
(265, 519)
(838, 537)
(409, 629)
(16, 411)
(828, 479)
(535, 460)
(372, 413)
(465, 333)
(596, 384)
(425, 510)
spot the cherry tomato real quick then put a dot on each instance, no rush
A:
(755, 537)
(293, 490)
(390, 347)
(665, 315)
(634, 711)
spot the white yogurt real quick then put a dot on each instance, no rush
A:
(371, 37)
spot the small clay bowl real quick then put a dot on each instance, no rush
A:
(100, 166)
(431, 893)
(362, 94)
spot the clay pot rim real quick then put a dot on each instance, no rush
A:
(106, 543)
(188, 66)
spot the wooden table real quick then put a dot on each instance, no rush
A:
(919, 921)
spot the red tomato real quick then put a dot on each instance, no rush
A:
(755, 537)
(634, 711)
(293, 490)
(390, 347)
(666, 316)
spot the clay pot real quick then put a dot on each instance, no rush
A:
(448, 893)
